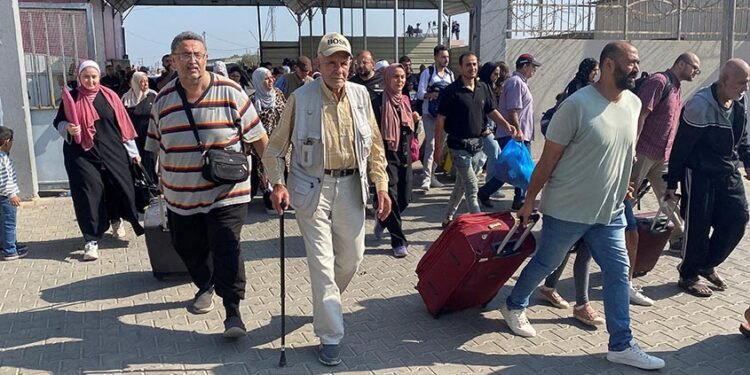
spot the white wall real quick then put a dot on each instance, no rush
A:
(15, 102)
(560, 60)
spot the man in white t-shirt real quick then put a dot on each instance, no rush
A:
(584, 169)
(431, 82)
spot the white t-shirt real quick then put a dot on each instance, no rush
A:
(590, 181)
(426, 80)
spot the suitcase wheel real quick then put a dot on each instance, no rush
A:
(438, 314)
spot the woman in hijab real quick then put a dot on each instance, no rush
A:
(138, 102)
(489, 75)
(587, 71)
(99, 147)
(396, 121)
(221, 68)
(583, 311)
(238, 75)
(269, 102)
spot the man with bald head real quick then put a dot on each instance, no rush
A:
(366, 74)
(711, 142)
(591, 138)
(661, 103)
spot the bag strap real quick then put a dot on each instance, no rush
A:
(667, 88)
(189, 113)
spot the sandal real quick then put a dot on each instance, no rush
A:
(695, 287)
(715, 279)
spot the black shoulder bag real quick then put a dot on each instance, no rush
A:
(220, 166)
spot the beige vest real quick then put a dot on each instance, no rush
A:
(308, 142)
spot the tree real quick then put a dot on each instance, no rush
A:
(250, 59)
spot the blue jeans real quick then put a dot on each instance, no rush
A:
(607, 246)
(491, 150)
(8, 232)
(492, 185)
(466, 165)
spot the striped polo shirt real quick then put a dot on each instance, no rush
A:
(217, 114)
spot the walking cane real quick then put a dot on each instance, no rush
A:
(282, 360)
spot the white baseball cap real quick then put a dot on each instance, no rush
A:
(381, 64)
(334, 42)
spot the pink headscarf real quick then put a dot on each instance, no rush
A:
(84, 114)
(390, 122)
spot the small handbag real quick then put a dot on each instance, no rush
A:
(220, 166)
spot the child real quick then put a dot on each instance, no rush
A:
(9, 199)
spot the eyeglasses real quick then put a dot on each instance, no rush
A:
(187, 56)
(696, 69)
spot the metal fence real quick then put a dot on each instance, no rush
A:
(54, 41)
(626, 19)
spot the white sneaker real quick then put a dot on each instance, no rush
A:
(118, 231)
(636, 357)
(498, 195)
(517, 321)
(91, 251)
(425, 185)
(637, 298)
(434, 183)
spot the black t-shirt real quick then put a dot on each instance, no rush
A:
(374, 85)
(412, 84)
(465, 109)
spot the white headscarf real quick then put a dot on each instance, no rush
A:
(135, 95)
(221, 68)
(263, 98)
(89, 64)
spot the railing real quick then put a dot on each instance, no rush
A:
(626, 19)
(54, 41)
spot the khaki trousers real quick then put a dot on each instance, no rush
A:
(652, 170)
(334, 236)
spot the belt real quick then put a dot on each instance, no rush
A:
(340, 172)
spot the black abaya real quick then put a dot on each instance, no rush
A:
(101, 183)
(140, 115)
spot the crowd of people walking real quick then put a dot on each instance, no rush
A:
(325, 147)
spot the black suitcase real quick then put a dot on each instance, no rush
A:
(165, 262)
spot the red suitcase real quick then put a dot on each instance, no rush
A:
(471, 260)
(654, 230)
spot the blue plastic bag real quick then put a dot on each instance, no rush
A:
(514, 165)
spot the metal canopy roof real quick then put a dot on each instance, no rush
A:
(450, 7)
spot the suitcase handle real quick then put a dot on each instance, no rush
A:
(662, 205)
(500, 251)
(163, 215)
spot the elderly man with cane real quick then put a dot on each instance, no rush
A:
(336, 144)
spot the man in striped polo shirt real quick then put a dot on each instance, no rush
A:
(205, 217)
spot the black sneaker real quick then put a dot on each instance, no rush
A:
(234, 328)
(330, 355)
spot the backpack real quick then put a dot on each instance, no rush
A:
(433, 105)
(547, 115)
(640, 81)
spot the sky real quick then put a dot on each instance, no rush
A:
(234, 30)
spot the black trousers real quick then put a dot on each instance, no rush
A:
(399, 191)
(711, 203)
(97, 197)
(209, 245)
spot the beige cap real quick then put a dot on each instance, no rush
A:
(332, 43)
